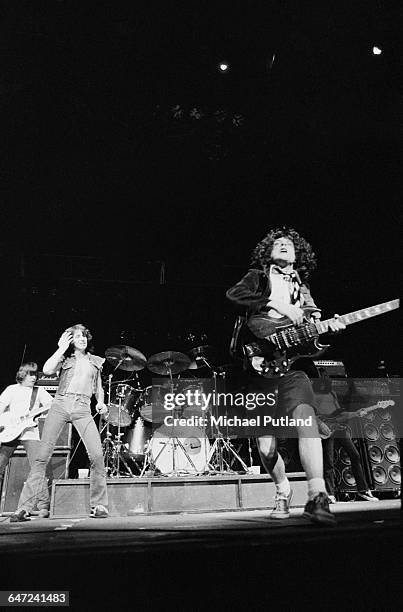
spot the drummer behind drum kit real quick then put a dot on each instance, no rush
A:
(133, 411)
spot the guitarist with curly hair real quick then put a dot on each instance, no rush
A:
(275, 288)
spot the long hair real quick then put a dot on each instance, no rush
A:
(25, 369)
(305, 259)
(86, 333)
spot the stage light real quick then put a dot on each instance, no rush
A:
(223, 67)
(376, 50)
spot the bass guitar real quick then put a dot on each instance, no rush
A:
(278, 343)
(11, 427)
(339, 421)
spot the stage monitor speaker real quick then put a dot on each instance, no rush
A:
(17, 472)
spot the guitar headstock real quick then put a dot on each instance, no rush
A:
(385, 403)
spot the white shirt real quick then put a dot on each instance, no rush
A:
(18, 399)
(281, 291)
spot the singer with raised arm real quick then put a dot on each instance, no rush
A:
(80, 378)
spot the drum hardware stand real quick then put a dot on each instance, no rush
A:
(174, 441)
(115, 446)
(220, 444)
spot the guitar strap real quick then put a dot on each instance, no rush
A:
(33, 397)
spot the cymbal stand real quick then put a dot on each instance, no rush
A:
(216, 459)
(113, 448)
(174, 440)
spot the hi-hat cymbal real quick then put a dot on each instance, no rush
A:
(168, 361)
(125, 358)
(201, 354)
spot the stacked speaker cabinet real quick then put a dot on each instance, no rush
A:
(377, 438)
(18, 468)
(383, 449)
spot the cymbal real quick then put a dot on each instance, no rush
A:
(125, 358)
(201, 353)
(163, 363)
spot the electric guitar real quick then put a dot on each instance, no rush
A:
(11, 427)
(338, 422)
(278, 343)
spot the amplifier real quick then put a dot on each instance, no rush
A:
(333, 368)
(62, 442)
(17, 472)
(49, 382)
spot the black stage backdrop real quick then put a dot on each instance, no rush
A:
(136, 177)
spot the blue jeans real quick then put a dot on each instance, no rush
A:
(72, 408)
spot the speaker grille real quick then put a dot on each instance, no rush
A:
(387, 431)
(375, 454)
(395, 474)
(380, 476)
(347, 478)
(392, 453)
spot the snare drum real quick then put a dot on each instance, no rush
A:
(126, 397)
(196, 451)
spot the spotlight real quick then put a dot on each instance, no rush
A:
(223, 67)
(376, 50)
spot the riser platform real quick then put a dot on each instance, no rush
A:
(129, 496)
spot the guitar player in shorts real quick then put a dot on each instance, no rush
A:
(18, 400)
(275, 286)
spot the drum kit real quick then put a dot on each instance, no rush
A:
(137, 442)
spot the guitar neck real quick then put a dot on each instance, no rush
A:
(34, 413)
(359, 315)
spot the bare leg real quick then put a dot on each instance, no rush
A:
(310, 450)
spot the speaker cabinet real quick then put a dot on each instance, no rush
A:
(17, 472)
(344, 476)
(63, 442)
(383, 449)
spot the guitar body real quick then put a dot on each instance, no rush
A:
(263, 326)
(335, 423)
(272, 359)
(11, 427)
(276, 342)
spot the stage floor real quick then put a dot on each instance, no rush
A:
(210, 559)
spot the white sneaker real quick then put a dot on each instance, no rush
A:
(281, 508)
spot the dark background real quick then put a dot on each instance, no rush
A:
(136, 177)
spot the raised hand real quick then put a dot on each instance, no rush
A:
(65, 340)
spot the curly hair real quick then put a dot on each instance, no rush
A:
(305, 259)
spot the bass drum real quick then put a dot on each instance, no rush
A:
(191, 452)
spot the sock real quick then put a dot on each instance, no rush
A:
(315, 486)
(284, 487)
